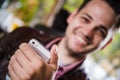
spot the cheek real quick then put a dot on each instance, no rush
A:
(75, 23)
(97, 40)
(68, 31)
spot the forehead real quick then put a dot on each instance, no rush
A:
(100, 11)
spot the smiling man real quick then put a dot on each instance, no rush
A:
(87, 28)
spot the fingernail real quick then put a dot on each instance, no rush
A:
(56, 47)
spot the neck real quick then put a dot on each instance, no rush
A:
(64, 56)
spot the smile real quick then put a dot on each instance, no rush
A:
(80, 39)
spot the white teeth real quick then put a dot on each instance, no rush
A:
(80, 39)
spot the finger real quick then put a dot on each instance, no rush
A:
(35, 60)
(23, 60)
(17, 70)
(29, 52)
(12, 74)
(14, 68)
(54, 56)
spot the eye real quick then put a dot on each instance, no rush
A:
(85, 20)
(102, 32)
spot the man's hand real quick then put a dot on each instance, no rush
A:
(26, 64)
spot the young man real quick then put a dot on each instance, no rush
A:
(86, 30)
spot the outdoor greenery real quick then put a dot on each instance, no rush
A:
(26, 10)
(111, 53)
(71, 5)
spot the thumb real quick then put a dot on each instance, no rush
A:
(54, 56)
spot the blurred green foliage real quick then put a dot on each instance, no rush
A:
(114, 47)
(71, 5)
(27, 10)
(110, 52)
(46, 7)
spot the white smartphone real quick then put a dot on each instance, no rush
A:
(40, 49)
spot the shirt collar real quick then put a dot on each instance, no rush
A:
(68, 67)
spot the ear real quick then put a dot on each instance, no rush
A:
(71, 16)
(107, 43)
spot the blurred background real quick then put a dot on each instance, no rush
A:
(100, 65)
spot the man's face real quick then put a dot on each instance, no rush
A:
(87, 28)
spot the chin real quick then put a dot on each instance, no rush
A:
(74, 51)
(76, 48)
(77, 51)
(77, 54)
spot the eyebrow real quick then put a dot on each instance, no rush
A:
(104, 27)
(88, 16)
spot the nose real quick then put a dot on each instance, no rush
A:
(88, 30)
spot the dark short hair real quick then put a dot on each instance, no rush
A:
(114, 4)
(84, 4)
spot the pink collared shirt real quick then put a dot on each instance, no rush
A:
(63, 69)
